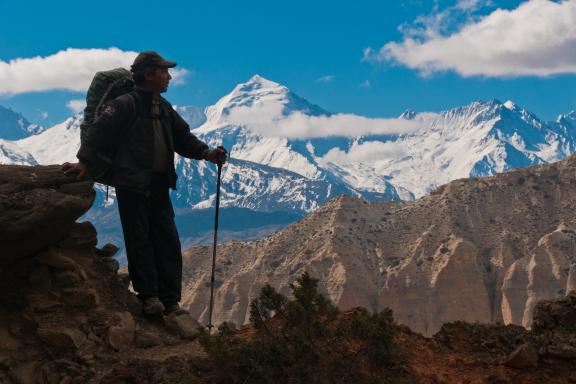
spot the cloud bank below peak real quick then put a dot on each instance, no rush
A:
(70, 69)
(268, 120)
(538, 38)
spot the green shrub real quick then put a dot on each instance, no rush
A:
(305, 340)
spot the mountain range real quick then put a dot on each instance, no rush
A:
(279, 172)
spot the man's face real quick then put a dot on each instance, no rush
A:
(157, 80)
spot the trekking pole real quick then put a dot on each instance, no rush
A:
(220, 162)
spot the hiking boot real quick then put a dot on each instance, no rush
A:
(175, 310)
(153, 306)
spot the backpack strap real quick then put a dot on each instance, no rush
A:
(132, 102)
(105, 96)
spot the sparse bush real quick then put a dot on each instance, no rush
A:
(306, 340)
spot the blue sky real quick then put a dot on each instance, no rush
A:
(329, 52)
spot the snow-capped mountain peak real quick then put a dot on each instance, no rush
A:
(510, 105)
(259, 82)
(255, 91)
(257, 96)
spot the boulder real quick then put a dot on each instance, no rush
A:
(184, 325)
(121, 336)
(38, 207)
(107, 250)
(65, 339)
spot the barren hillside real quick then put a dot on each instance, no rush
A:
(475, 250)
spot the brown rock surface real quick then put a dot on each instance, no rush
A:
(184, 325)
(65, 313)
(37, 207)
(121, 336)
(475, 249)
(68, 339)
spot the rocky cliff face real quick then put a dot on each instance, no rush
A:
(67, 316)
(476, 250)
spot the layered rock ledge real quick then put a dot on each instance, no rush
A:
(67, 315)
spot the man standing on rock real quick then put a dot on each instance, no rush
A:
(142, 131)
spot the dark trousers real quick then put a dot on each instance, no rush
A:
(152, 243)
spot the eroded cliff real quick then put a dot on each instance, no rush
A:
(475, 250)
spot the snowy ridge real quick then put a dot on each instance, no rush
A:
(479, 139)
(12, 153)
(56, 145)
(270, 173)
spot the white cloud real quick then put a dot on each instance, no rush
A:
(472, 5)
(325, 79)
(71, 69)
(365, 84)
(44, 115)
(536, 39)
(76, 105)
(446, 21)
(366, 152)
(268, 120)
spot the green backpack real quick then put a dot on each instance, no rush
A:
(105, 86)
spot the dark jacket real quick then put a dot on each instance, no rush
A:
(118, 148)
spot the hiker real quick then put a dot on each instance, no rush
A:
(131, 146)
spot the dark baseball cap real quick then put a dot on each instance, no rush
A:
(148, 59)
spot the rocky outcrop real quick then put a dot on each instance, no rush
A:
(37, 206)
(555, 326)
(67, 316)
(488, 353)
(482, 250)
